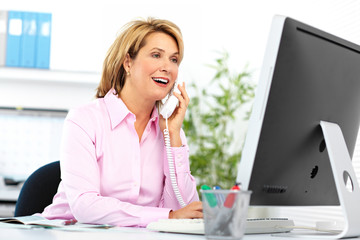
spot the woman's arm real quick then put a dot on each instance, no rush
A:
(184, 180)
(180, 152)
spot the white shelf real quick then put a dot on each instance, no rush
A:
(9, 194)
(45, 75)
(7, 209)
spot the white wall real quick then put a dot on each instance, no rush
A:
(83, 31)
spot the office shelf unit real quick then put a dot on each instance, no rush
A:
(54, 76)
(50, 89)
(42, 92)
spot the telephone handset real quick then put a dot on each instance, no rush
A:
(170, 102)
(166, 108)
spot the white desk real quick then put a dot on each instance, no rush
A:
(110, 234)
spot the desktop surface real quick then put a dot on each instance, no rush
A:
(123, 233)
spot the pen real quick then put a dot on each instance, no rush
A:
(219, 197)
(70, 222)
(230, 199)
(210, 197)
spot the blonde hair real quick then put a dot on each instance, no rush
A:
(130, 41)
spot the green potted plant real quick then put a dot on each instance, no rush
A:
(210, 122)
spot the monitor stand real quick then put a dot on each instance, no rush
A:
(346, 183)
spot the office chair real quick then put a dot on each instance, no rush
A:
(38, 190)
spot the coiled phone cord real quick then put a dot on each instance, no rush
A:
(171, 166)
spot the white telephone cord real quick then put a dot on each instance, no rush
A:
(171, 166)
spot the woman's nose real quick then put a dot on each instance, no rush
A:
(165, 66)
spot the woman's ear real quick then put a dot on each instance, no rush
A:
(127, 63)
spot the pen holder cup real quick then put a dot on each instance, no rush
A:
(225, 213)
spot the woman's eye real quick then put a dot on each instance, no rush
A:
(174, 60)
(156, 55)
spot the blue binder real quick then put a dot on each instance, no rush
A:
(28, 41)
(43, 40)
(14, 36)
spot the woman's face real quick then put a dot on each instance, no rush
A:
(155, 68)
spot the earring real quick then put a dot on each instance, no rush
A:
(128, 73)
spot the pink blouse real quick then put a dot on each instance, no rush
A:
(108, 176)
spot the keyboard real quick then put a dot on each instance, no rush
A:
(196, 226)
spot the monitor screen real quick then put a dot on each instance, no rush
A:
(307, 76)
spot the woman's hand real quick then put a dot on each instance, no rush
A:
(176, 119)
(193, 210)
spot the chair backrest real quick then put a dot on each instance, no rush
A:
(38, 190)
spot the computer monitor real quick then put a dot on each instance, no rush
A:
(308, 76)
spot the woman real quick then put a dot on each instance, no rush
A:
(114, 166)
